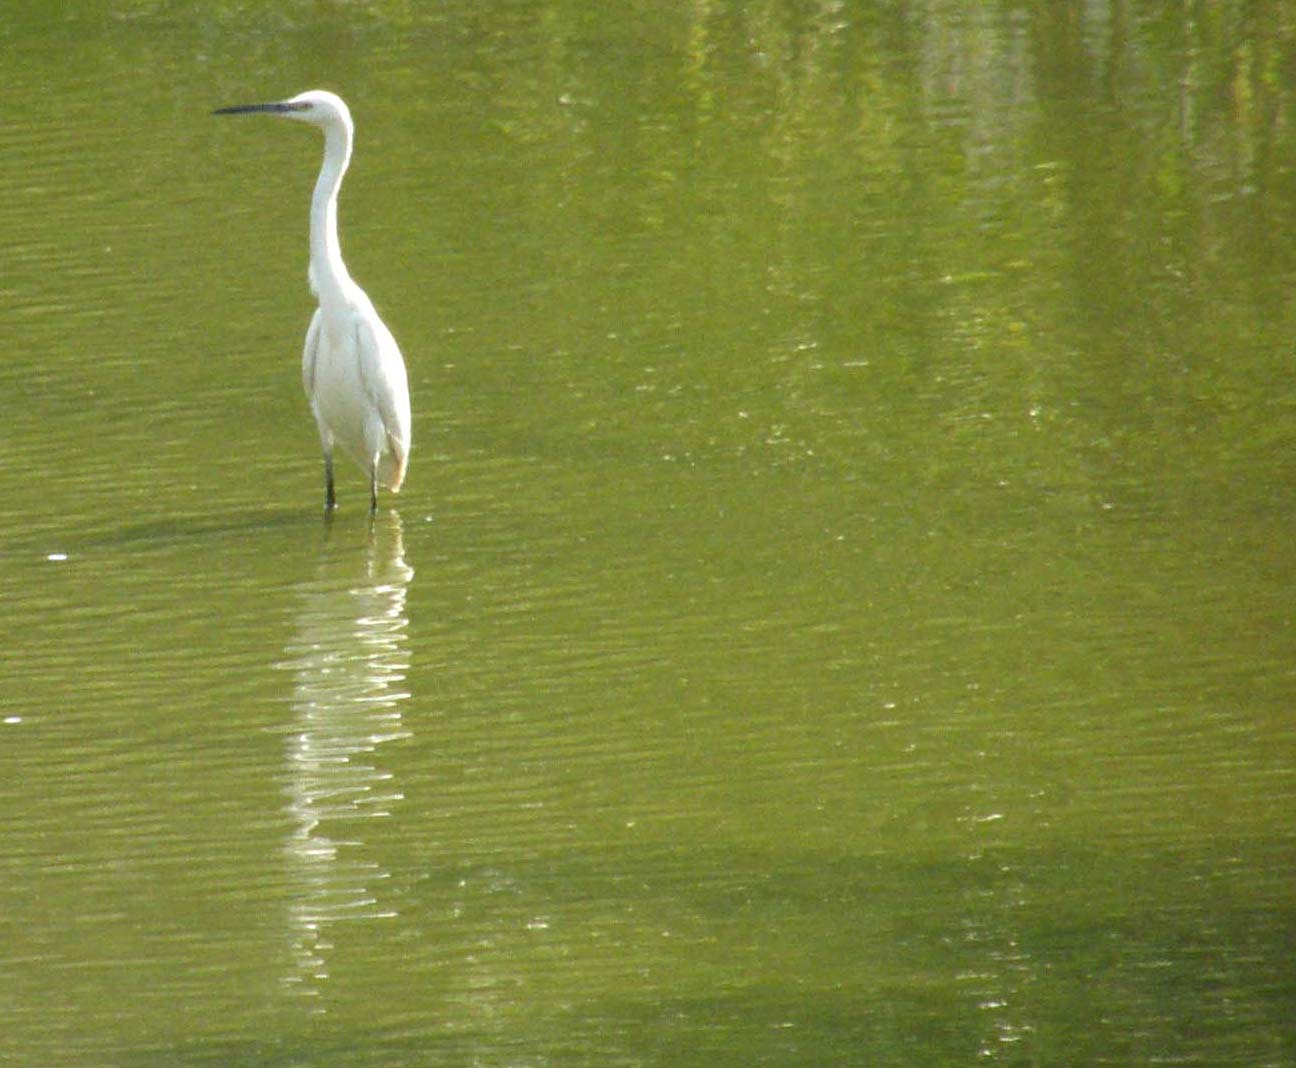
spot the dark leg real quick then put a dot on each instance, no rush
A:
(330, 498)
(373, 489)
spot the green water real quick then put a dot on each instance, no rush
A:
(840, 612)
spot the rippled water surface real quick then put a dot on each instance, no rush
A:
(840, 612)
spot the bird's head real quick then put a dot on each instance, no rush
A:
(319, 107)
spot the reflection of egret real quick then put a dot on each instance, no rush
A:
(349, 659)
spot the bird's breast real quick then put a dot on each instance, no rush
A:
(338, 393)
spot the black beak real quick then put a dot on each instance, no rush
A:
(280, 108)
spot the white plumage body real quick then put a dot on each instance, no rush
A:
(354, 378)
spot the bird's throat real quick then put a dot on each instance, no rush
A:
(328, 274)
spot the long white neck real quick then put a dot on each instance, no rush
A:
(328, 274)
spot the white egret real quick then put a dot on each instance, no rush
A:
(351, 366)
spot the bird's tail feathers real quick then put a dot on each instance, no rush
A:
(392, 466)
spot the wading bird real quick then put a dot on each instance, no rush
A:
(351, 367)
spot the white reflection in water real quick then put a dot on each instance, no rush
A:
(349, 657)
